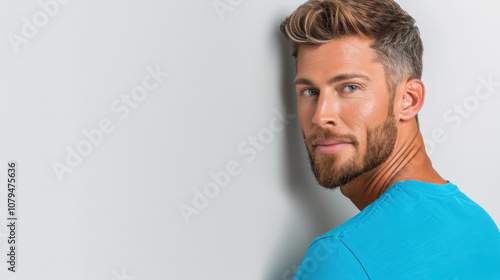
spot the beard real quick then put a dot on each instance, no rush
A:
(328, 168)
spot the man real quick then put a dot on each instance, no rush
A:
(359, 90)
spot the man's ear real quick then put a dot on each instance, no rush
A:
(412, 99)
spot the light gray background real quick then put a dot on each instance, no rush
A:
(116, 215)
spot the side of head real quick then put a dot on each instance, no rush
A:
(359, 65)
(396, 38)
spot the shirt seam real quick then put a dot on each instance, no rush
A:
(451, 192)
(354, 255)
(372, 212)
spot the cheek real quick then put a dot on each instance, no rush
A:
(358, 116)
(370, 116)
(305, 114)
(362, 115)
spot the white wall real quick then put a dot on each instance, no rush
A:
(116, 214)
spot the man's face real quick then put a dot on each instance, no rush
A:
(344, 109)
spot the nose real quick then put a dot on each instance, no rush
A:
(326, 111)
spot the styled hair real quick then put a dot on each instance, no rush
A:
(397, 41)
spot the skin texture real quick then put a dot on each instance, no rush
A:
(382, 143)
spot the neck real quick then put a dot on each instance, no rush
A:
(408, 161)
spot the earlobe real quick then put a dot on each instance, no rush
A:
(412, 99)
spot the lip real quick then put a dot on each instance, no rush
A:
(330, 147)
(328, 143)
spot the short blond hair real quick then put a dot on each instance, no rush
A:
(396, 37)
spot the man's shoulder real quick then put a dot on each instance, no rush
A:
(329, 254)
(410, 206)
(364, 219)
(329, 257)
(435, 226)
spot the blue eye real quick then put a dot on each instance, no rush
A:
(311, 92)
(351, 88)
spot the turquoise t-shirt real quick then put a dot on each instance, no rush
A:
(414, 230)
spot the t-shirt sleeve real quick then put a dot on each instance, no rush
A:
(328, 258)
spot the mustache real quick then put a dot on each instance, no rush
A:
(325, 135)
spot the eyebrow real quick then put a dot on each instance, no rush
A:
(335, 79)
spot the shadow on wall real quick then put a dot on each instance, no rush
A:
(320, 215)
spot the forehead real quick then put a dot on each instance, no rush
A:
(352, 53)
